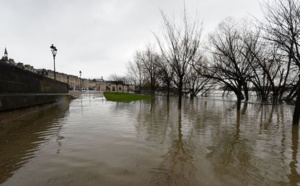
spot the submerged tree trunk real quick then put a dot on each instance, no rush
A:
(264, 97)
(192, 94)
(246, 91)
(275, 97)
(239, 97)
(168, 93)
(239, 101)
(180, 86)
(297, 106)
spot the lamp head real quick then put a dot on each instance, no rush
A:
(53, 50)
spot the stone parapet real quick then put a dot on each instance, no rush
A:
(18, 80)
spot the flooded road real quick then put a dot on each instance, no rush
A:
(91, 141)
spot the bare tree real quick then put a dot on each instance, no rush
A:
(132, 73)
(229, 65)
(135, 71)
(271, 70)
(180, 46)
(115, 77)
(165, 75)
(196, 79)
(283, 27)
(149, 60)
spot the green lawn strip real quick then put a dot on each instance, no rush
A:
(124, 97)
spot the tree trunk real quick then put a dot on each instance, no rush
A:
(239, 101)
(264, 97)
(168, 93)
(152, 85)
(140, 87)
(239, 97)
(275, 97)
(180, 92)
(297, 106)
(246, 91)
(192, 94)
(289, 98)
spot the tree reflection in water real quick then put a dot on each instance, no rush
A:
(154, 119)
(294, 177)
(230, 153)
(178, 165)
(151, 142)
(210, 142)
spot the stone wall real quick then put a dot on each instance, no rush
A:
(17, 80)
(19, 101)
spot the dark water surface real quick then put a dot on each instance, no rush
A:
(92, 141)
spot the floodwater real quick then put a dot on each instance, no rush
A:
(91, 141)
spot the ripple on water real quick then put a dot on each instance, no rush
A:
(207, 142)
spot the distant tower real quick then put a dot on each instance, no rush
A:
(5, 57)
(5, 53)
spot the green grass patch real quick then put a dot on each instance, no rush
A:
(124, 97)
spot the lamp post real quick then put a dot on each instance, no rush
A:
(80, 80)
(54, 51)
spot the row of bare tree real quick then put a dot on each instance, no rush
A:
(240, 56)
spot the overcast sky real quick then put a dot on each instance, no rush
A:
(98, 37)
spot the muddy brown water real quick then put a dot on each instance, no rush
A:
(91, 141)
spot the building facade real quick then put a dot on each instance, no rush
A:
(74, 82)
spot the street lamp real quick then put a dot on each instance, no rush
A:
(54, 51)
(80, 80)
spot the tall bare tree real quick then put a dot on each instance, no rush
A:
(283, 27)
(165, 75)
(271, 69)
(180, 46)
(132, 74)
(196, 79)
(115, 77)
(150, 60)
(135, 71)
(230, 66)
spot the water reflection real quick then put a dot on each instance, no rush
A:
(151, 142)
(154, 119)
(21, 139)
(250, 146)
(294, 176)
(230, 153)
(177, 167)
